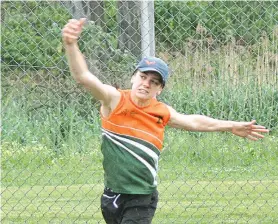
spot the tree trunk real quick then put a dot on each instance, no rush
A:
(95, 12)
(91, 10)
(129, 29)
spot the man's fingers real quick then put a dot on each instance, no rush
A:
(72, 32)
(82, 21)
(73, 21)
(258, 127)
(70, 36)
(255, 134)
(76, 24)
(260, 130)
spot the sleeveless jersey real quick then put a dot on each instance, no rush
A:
(132, 139)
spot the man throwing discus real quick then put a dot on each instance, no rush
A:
(133, 123)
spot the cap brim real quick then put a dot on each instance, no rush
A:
(146, 69)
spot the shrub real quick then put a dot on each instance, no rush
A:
(178, 21)
(31, 34)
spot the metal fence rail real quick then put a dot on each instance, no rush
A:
(224, 63)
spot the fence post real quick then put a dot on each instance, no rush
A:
(147, 28)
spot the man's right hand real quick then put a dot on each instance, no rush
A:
(72, 30)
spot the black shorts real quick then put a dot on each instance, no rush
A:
(128, 208)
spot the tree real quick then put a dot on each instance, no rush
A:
(92, 10)
(128, 20)
(129, 28)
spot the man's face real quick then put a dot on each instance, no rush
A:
(146, 85)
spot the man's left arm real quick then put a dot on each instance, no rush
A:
(203, 123)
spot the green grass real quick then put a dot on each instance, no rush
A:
(217, 156)
(180, 202)
(203, 178)
(218, 202)
(210, 156)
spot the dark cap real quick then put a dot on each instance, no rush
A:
(156, 65)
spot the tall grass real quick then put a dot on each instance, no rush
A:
(42, 116)
(241, 103)
(229, 82)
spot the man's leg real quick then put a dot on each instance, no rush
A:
(140, 209)
(111, 206)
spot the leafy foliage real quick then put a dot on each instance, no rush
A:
(101, 48)
(31, 34)
(244, 21)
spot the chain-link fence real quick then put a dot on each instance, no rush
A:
(223, 57)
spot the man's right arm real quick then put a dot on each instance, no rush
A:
(78, 67)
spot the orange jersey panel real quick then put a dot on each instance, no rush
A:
(146, 123)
